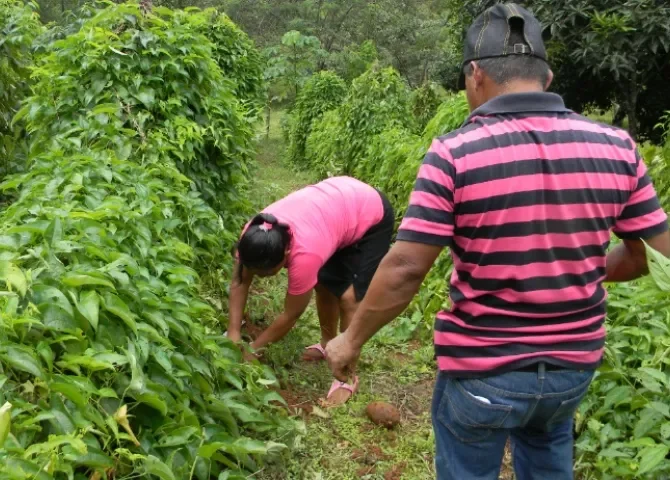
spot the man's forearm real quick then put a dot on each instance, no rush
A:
(623, 266)
(391, 291)
(278, 330)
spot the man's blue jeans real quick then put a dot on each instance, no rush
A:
(473, 418)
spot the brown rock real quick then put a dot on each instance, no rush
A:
(382, 413)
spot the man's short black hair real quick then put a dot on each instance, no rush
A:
(503, 70)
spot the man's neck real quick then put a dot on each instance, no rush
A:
(517, 86)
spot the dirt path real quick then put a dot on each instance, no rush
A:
(341, 443)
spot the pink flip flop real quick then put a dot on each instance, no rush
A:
(316, 346)
(337, 385)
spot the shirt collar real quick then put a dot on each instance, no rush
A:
(520, 103)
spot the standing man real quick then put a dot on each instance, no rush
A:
(525, 195)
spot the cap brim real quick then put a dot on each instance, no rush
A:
(461, 81)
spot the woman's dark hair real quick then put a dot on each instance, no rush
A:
(263, 245)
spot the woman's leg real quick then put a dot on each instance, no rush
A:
(347, 306)
(328, 310)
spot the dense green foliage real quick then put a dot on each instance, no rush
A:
(605, 54)
(112, 362)
(413, 37)
(19, 27)
(238, 59)
(627, 42)
(177, 94)
(322, 92)
(376, 100)
(424, 102)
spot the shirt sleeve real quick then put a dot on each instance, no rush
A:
(303, 273)
(642, 216)
(429, 218)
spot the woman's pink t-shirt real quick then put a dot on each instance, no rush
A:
(324, 218)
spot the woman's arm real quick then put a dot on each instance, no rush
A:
(294, 306)
(239, 292)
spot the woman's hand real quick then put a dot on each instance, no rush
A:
(234, 336)
(249, 356)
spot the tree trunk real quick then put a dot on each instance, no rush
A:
(633, 91)
(619, 114)
(268, 111)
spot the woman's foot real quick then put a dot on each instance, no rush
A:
(341, 392)
(314, 353)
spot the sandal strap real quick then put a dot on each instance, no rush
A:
(317, 346)
(338, 384)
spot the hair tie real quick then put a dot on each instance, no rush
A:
(265, 226)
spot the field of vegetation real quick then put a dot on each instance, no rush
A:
(136, 140)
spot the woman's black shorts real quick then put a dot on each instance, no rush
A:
(357, 263)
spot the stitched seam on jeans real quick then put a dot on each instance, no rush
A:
(581, 397)
(530, 413)
(502, 393)
(568, 392)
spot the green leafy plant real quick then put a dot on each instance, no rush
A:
(113, 363)
(376, 100)
(424, 102)
(238, 59)
(323, 92)
(19, 27)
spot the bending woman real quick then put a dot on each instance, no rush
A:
(331, 238)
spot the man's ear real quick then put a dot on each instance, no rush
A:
(550, 78)
(477, 74)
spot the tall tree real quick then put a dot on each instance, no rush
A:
(627, 43)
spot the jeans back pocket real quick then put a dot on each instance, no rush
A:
(468, 418)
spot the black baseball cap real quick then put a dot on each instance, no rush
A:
(489, 35)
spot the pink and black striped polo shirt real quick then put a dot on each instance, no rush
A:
(526, 195)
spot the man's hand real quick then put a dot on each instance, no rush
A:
(342, 357)
(397, 280)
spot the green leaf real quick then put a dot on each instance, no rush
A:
(659, 267)
(153, 466)
(180, 436)
(23, 359)
(153, 401)
(617, 395)
(13, 276)
(44, 296)
(649, 419)
(5, 422)
(118, 307)
(94, 458)
(73, 362)
(651, 457)
(661, 408)
(89, 307)
(105, 108)
(71, 392)
(147, 97)
(82, 279)
(137, 381)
